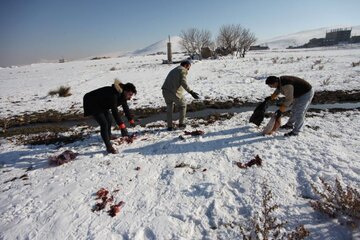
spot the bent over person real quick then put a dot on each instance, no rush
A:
(100, 102)
(173, 93)
(298, 93)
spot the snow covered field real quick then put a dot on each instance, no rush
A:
(164, 202)
(25, 89)
(201, 199)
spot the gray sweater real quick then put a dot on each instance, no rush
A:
(175, 82)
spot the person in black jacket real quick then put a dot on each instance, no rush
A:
(98, 103)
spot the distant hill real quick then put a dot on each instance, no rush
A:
(280, 42)
(160, 46)
(300, 38)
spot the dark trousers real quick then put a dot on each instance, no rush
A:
(105, 121)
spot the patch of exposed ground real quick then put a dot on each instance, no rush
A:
(52, 116)
(45, 135)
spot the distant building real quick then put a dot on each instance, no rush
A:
(258, 47)
(338, 35)
(332, 37)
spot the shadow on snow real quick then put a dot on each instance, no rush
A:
(176, 145)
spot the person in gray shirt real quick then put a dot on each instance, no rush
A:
(298, 94)
(173, 93)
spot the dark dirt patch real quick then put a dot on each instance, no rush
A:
(338, 96)
(51, 116)
(35, 130)
(53, 139)
(48, 138)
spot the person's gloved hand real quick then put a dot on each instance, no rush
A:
(123, 130)
(132, 123)
(278, 113)
(194, 95)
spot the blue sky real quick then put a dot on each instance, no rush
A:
(36, 30)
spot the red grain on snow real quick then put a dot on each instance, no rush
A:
(102, 194)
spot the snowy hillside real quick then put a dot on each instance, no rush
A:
(301, 38)
(158, 47)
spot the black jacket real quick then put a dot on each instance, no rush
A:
(105, 99)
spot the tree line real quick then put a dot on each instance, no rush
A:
(232, 38)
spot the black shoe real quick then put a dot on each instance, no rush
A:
(124, 132)
(182, 126)
(286, 126)
(170, 129)
(111, 150)
(289, 134)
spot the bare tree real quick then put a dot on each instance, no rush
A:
(188, 39)
(228, 37)
(245, 40)
(193, 40)
(233, 38)
(204, 40)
